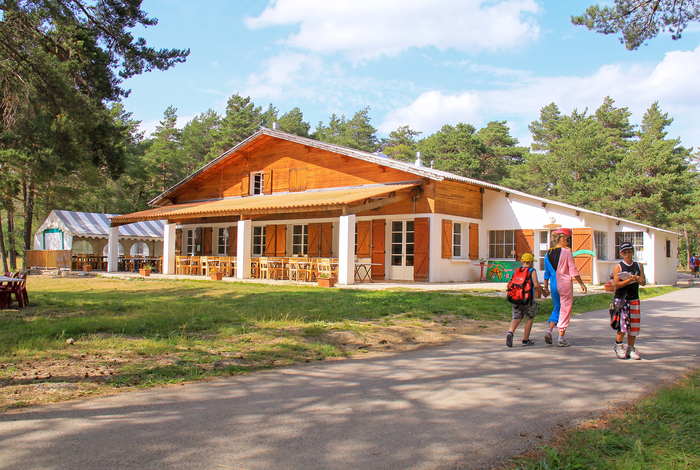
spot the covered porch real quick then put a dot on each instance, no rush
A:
(291, 236)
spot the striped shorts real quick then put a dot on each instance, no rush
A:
(630, 316)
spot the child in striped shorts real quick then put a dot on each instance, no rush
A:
(629, 275)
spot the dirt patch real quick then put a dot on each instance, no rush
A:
(79, 375)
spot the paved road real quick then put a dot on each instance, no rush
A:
(469, 404)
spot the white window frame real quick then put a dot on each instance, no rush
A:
(635, 238)
(507, 247)
(257, 183)
(300, 241)
(257, 245)
(458, 239)
(189, 239)
(146, 251)
(600, 241)
(221, 235)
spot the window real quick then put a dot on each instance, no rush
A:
(601, 245)
(300, 239)
(543, 247)
(635, 238)
(190, 247)
(502, 244)
(222, 241)
(457, 240)
(256, 180)
(402, 243)
(105, 250)
(668, 248)
(82, 247)
(139, 249)
(258, 241)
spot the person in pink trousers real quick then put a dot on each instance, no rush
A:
(562, 260)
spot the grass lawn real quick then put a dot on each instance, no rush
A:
(659, 432)
(139, 333)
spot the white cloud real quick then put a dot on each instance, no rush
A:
(368, 29)
(673, 82)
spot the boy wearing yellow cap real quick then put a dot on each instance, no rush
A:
(529, 310)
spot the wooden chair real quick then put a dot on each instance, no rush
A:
(324, 267)
(309, 269)
(295, 273)
(276, 268)
(195, 265)
(264, 267)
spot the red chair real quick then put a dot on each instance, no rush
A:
(19, 289)
(5, 292)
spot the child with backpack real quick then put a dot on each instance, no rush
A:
(521, 294)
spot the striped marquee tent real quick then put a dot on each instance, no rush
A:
(61, 227)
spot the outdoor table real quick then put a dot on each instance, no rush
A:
(481, 275)
(363, 271)
(10, 279)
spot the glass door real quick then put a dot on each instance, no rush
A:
(402, 239)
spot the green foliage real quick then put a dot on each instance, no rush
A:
(293, 122)
(640, 20)
(401, 144)
(242, 120)
(357, 133)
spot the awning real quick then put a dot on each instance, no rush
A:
(348, 200)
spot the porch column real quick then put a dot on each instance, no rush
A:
(346, 250)
(113, 250)
(168, 249)
(245, 240)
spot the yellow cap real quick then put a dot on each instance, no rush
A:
(527, 257)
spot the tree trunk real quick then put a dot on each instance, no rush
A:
(29, 194)
(687, 247)
(3, 251)
(11, 250)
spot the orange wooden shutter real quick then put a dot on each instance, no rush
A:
(245, 184)
(473, 241)
(270, 239)
(313, 245)
(363, 232)
(378, 248)
(178, 241)
(326, 239)
(582, 239)
(206, 241)
(293, 180)
(232, 241)
(281, 241)
(301, 179)
(446, 239)
(267, 182)
(524, 241)
(421, 248)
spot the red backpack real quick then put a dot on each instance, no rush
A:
(520, 287)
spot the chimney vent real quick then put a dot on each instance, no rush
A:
(419, 162)
(275, 126)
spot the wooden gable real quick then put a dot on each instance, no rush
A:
(289, 166)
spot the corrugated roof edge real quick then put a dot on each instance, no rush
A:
(437, 175)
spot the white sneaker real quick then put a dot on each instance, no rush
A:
(633, 353)
(621, 351)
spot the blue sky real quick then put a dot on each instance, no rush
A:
(419, 63)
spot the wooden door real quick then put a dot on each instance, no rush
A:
(582, 239)
(421, 249)
(232, 248)
(524, 243)
(326, 240)
(281, 241)
(313, 244)
(270, 238)
(363, 239)
(207, 236)
(378, 249)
